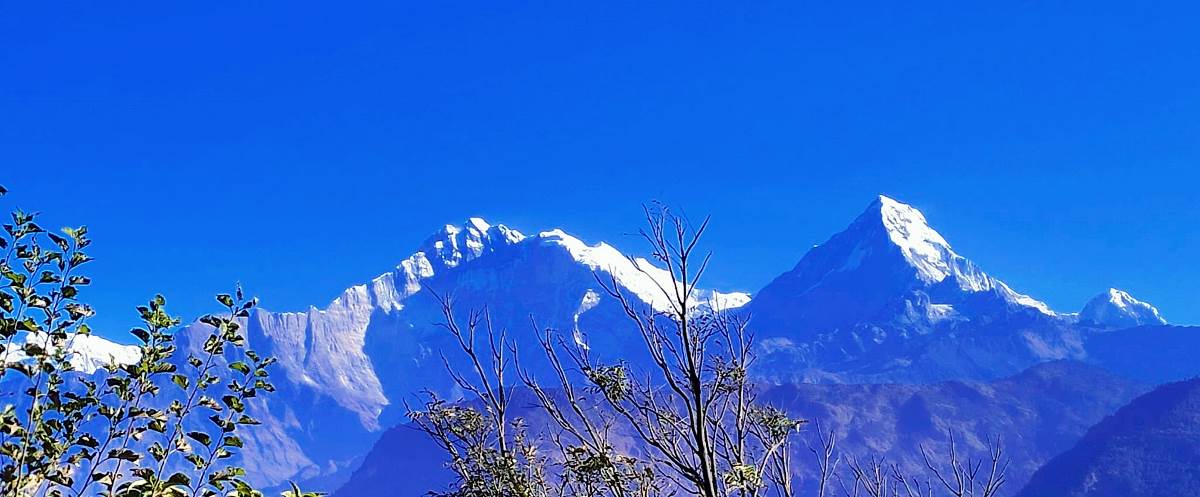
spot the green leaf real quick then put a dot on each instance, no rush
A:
(225, 300)
(124, 455)
(240, 367)
(201, 437)
(180, 380)
(87, 440)
(58, 240)
(179, 479)
(233, 402)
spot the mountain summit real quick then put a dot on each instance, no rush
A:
(921, 246)
(345, 370)
(889, 256)
(1118, 309)
(877, 297)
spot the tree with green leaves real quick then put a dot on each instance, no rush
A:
(162, 425)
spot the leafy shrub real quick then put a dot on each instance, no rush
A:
(160, 425)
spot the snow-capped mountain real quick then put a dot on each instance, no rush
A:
(548, 276)
(1117, 309)
(889, 299)
(345, 371)
(86, 353)
(888, 251)
(885, 300)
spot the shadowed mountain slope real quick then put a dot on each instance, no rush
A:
(1038, 413)
(1149, 448)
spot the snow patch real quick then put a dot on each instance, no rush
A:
(86, 353)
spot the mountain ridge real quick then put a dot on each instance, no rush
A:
(356, 361)
(1148, 448)
(887, 300)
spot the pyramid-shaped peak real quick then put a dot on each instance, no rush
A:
(1116, 308)
(887, 259)
(905, 225)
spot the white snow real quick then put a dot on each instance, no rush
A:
(1118, 309)
(924, 248)
(639, 276)
(591, 299)
(1024, 300)
(930, 254)
(88, 353)
(940, 312)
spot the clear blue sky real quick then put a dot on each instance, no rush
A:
(1054, 144)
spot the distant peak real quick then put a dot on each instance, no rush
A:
(473, 223)
(479, 224)
(890, 249)
(1120, 298)
(1116, 308)
(454, 244)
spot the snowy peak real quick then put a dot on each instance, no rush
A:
(928, 252)
(890, 228)
(922, 246)
(1118, 309)
(450, 249)
(453, 245)
(86, 353)
(444, 250)
(888, 266)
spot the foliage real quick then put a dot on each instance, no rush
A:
(162, 425)
(483, 466)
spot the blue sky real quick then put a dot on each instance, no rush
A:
(304, 147)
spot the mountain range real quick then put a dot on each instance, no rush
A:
(1149, 448)
(887, 300)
